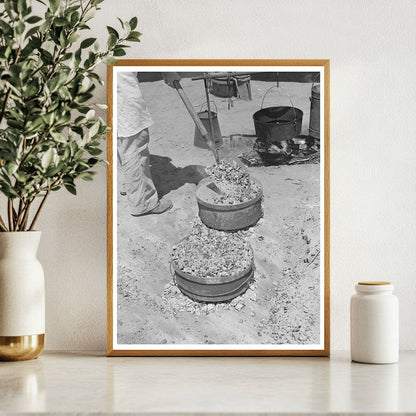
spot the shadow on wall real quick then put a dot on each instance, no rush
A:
(168, 177)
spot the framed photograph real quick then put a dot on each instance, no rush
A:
(218, 208)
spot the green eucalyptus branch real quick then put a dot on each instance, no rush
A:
(8, 93)
(50, 135)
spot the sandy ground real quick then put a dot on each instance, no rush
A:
(282, 303)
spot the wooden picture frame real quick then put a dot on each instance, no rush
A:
(130, 323)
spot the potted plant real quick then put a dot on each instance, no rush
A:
(50, 136)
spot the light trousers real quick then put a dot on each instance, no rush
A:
(133, 159)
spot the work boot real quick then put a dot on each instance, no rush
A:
(163, 206)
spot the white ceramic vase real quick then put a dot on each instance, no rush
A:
(22, 296)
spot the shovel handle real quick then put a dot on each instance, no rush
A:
(195, 118)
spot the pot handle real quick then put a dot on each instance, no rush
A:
(314, 82)
(285, 94)
(315, 79)
(204, 104)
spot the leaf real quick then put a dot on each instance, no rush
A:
(90, 114)
(31, 90)
(20, 27)
(33, 19)
(70, 188)
(5, 146)
(34, 125)
(82, 98)
(46, 56)
(9, 9)
(133, 38)
(10, 168)
(21, 5)
(73, 38)
(90, 14)
(86, 176)
(92, 161)
(67, 153)
(54, 4)
(67, 56)
(74, 18)
(78, 154)
(111, 30)
(110, 60)
(47, 158)
(52, 171)
(48, 118)
(112, 41)
(21, 177)
(121, 22)
(94, 129)
(53, 84)
(58, 137)
(27, 11)
(8, 190)
(87, 42)
(94, 151)
(133, 23)
(119, 52)
(82, 166)
(32, 31)
(61, 21)
(5, 28)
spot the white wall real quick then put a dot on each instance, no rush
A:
(371, 45)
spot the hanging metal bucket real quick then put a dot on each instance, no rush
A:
(233, 86)
(315, 116)
(216, 134)
(276, 124)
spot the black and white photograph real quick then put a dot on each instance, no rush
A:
(218, 208)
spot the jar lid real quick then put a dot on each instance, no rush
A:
(374, 283)
(370, 287)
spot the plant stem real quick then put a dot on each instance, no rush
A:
(2, 224)
(20, 214)
(10, 213)
(3, 108)
(17, 217)
(38, 211)
(26, 216)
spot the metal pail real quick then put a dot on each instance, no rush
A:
(233, 86)
(216, 135)
(315, 116)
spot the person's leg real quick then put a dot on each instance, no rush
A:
(134, 157)
(121, 182)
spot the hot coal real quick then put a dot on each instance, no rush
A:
(234, 183)
(210, 253)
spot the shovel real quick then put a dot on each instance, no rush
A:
(197, 121)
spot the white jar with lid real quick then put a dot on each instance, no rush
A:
(374, 323)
